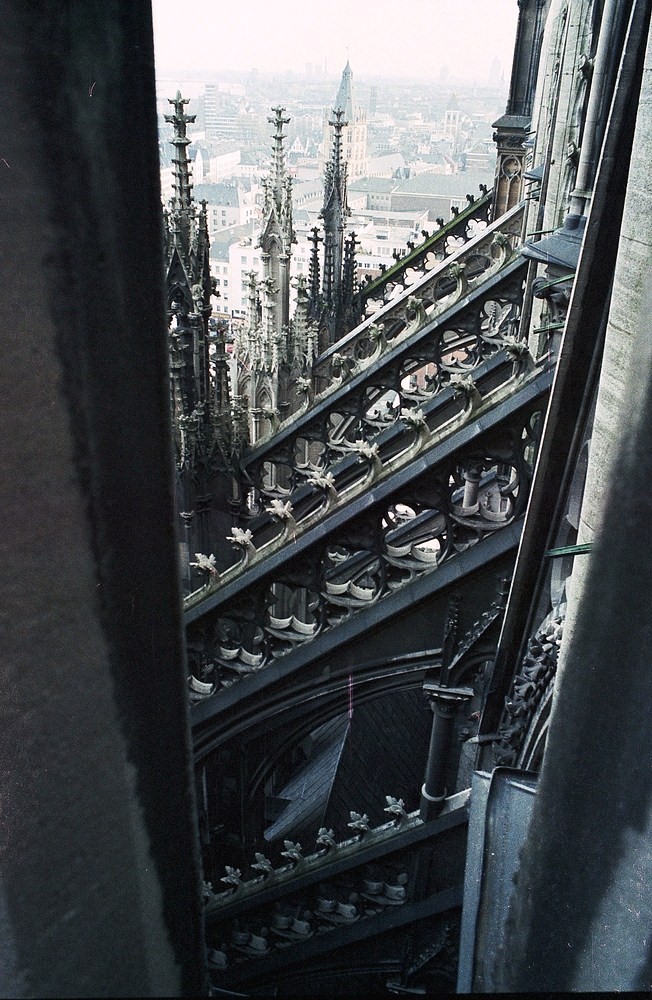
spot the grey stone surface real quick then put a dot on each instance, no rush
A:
(623, 376)
(97, 839)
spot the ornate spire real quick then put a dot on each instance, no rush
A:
(334, 215)
(300, 323)
(314, 275)
(198, 361)
(277, 236)
(202, 238)
(349, 282)
(181, 201)
(338, 167)
(278, 177)
(252, 301)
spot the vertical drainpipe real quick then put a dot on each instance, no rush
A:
(581, 195)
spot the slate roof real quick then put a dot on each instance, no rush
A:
(345, 752)
(222, 194)
(447, 185)
(309, 789)
(379, 185)
(198, 147)
(225, 238)
(302, 216)
(428, 184)
(249, 159)
(312, 188)
(372, 748)
(388, 161)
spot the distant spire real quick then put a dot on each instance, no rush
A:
(199, 366)
(344, 99)
(335, 180)
(313, 274)
(268, 348)
(334, 215)
(182, 198)
(202, 229)
(349, 281)
(278, 178)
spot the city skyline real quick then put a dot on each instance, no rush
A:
(293, 37)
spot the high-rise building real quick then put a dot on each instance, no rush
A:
(211, 110)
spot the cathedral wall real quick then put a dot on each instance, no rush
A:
(546, 91)
(631, 304)
(585, 870)
(566, 118)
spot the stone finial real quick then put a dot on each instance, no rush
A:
(325, 838)
(232, 877)
(342, 368)
(262, 864)
(519, 352)
(396, 808)
(273, 417)
(292, 851)
(205, 563)
(376, 334)
(324, 480)
(281, 511)
(414, 305)
(465, 386)
(365, 449)
(242, 538)
(359, 822)
(457, 270)
(413, 418)
(501, 245)
(305, 389)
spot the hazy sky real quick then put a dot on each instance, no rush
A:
(380, 37)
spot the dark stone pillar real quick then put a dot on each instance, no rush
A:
(527, 50)
(100, 891)
(513, 128)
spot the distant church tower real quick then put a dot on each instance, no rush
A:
(354, 134)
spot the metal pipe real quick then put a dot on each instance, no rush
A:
(444, 702)
(433, 790)
(585, 168)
